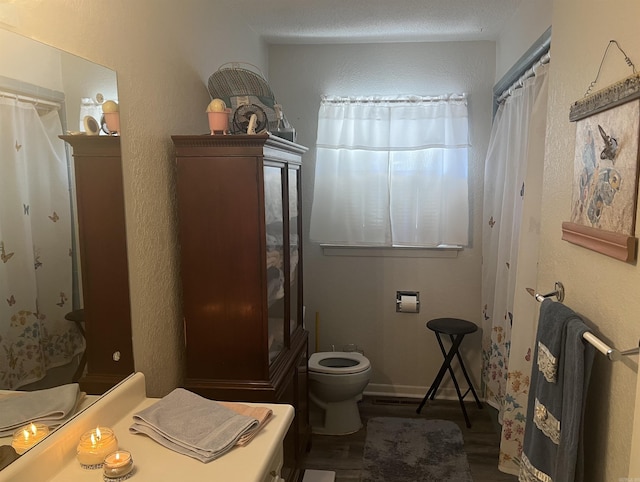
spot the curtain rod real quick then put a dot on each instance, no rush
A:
(611, 353)
(392, 100)
(31, 100)
(531, 72)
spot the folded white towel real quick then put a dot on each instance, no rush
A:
(192, 425)
(51, 407)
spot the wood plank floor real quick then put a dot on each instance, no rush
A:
(343, 454)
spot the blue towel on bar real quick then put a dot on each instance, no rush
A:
(553, 442)
(192, 425)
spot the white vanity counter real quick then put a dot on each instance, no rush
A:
(54, 459)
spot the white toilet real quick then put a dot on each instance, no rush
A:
(336, 382)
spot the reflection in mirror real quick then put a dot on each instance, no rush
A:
(44, 93)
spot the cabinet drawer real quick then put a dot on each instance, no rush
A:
(275, 466)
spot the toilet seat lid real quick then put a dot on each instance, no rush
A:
(338, 362)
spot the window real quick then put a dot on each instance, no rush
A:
(391, 172)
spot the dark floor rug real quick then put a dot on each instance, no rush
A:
(414, 450)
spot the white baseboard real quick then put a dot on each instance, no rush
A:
(408, 391)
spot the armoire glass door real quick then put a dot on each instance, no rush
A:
(274, 223)
(294, 248)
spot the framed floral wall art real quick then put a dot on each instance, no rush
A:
(605, 178)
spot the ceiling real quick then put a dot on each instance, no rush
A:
(367, 21)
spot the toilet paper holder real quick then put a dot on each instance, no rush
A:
(408, 301)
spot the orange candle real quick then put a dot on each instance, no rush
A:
(94, 446)
(27, 436)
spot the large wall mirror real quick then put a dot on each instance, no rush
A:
(44, 93)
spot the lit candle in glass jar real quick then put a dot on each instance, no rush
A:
(94, 446)
(118, 465)
(27, 436)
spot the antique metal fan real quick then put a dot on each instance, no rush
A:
(242, 119)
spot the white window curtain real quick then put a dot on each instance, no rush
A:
(391, 172)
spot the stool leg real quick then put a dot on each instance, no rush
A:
(466, 376)
(83, 360)
(457, 387)
(424, 400)
(446, 364)
(443, 369)
(434, 386)
(461, 400)
(444, 354)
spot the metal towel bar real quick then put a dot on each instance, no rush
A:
(611, 353)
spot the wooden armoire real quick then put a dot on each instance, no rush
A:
(97, 169)
(240, 234)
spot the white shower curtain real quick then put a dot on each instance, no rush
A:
(513, 190)
(35, 246)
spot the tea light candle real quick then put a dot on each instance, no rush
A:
(118, 465)
(27, 436)
(94, 446)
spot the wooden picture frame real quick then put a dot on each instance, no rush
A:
(605, 181)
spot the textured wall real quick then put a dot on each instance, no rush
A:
(602, 289)
(354, 296)
(163, 52)
(529, 22)
(44, 68)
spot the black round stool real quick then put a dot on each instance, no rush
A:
(456, 329)
(77, 316)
